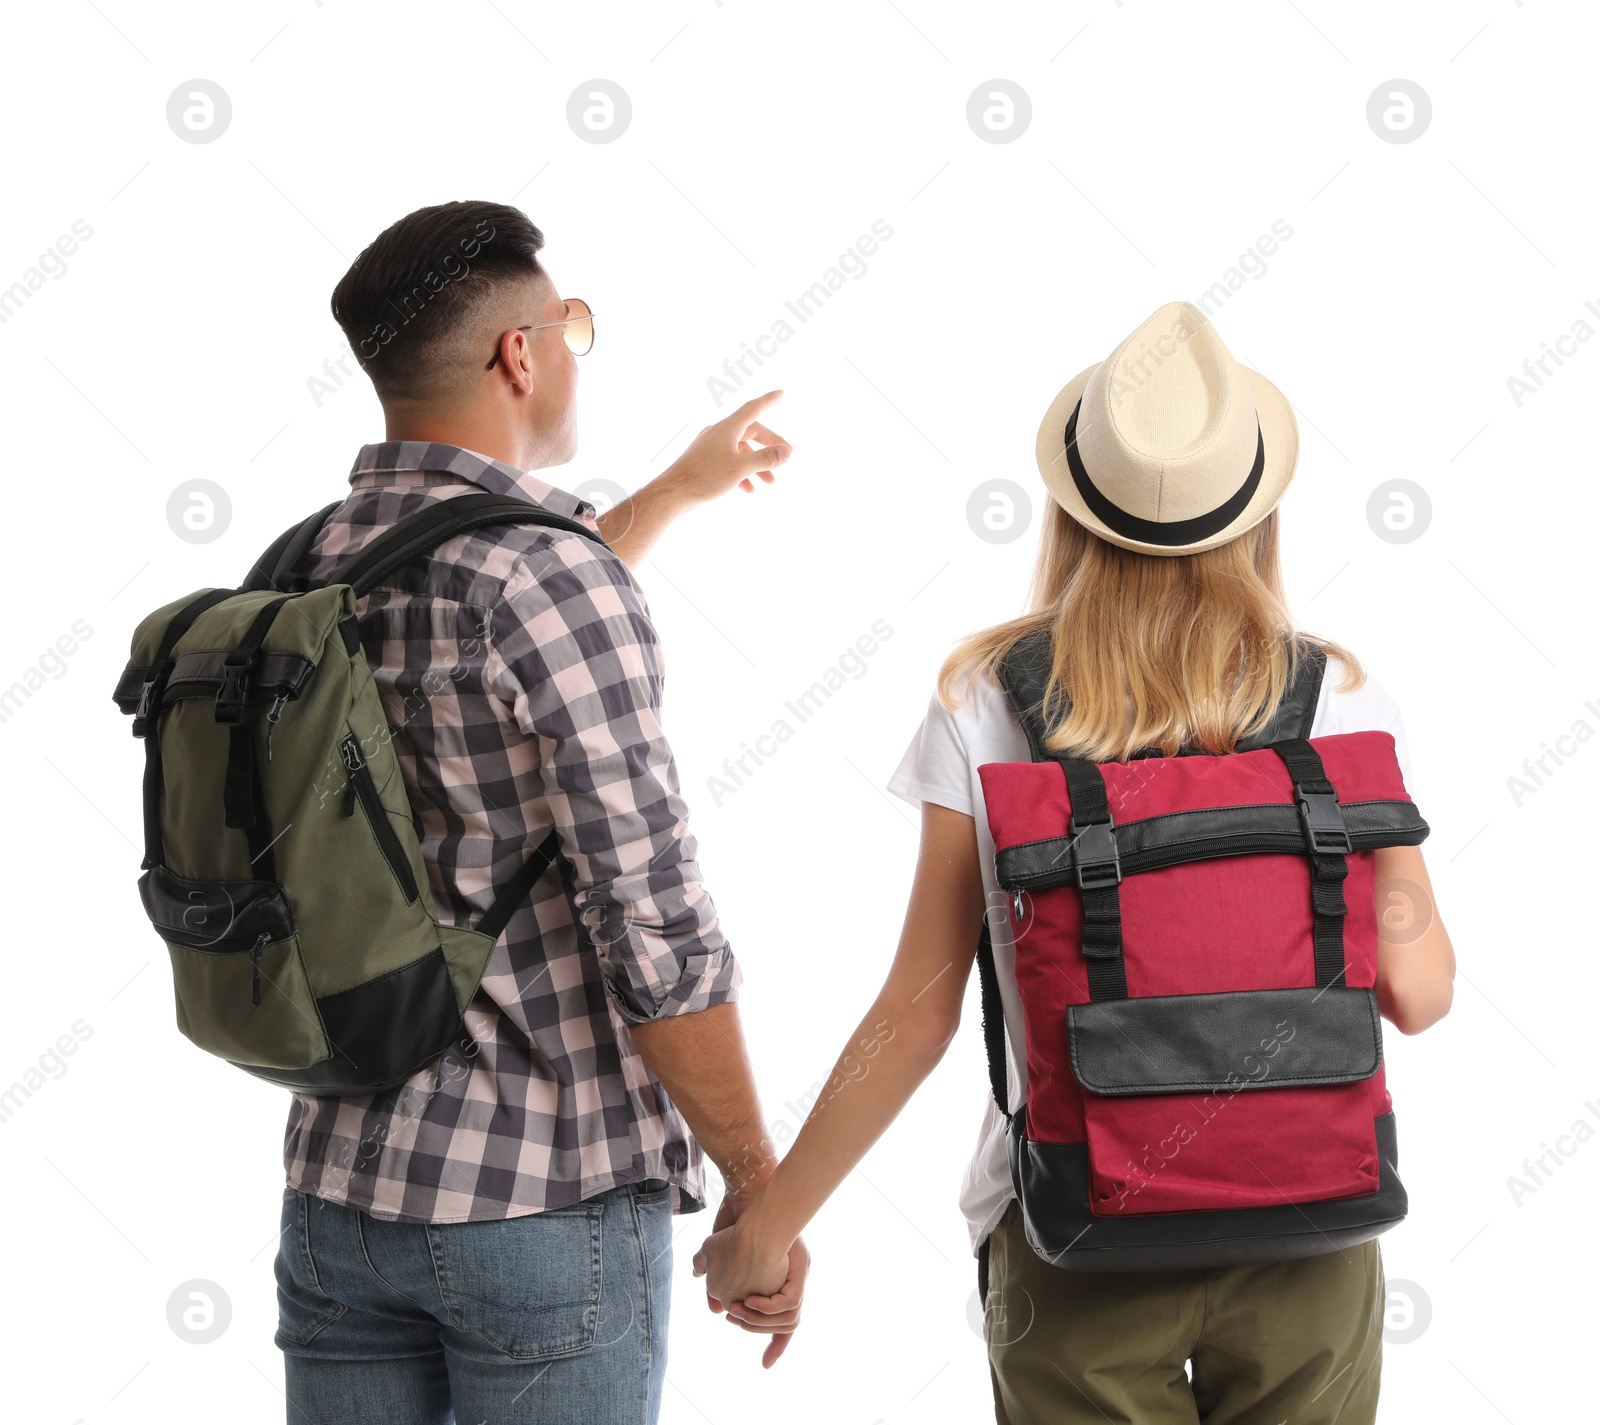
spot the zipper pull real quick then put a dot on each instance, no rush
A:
(350, 751)
(1016, 904)
(255, 968)
(273, 714)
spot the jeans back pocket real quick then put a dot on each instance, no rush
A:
(528, 1287)
(304, 1309)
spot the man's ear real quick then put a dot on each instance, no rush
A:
(516, 361)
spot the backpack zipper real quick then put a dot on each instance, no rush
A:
(255, 968)
(361, 787)
(273, 714)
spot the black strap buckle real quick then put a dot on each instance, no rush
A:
(232, 693)
(141, 714)
(1321, 819)
(1095, 861)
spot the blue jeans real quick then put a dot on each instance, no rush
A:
(556, 1317)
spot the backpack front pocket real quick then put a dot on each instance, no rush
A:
(1248, 1099)
(1226, 1149)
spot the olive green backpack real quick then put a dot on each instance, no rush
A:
(282, 866)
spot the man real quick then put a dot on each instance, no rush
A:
(493, 1238)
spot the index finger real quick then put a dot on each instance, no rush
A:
(775, 1348)
(755, 406)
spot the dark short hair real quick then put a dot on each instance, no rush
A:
(420, 278)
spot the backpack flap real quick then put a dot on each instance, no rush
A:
(1230, 1042)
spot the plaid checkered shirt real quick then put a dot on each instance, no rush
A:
(522, 677)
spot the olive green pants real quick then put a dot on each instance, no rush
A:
(1289, 1341)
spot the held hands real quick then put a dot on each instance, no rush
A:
(751, 1277)
(730, 453)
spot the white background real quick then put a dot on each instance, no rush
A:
(1165, 139)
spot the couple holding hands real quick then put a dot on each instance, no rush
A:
(493, 1241)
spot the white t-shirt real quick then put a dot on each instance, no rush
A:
(941, 766)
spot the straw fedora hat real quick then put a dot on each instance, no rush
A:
(1169, 446)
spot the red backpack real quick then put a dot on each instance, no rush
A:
(1196, 948)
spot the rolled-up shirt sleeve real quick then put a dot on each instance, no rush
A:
(575, 655)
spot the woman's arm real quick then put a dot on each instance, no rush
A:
(895, 1047)
(1416, 962)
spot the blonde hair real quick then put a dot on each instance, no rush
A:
(1163, 651)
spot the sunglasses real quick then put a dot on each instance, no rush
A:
(577, 327)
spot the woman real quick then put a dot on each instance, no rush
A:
(1158, 586)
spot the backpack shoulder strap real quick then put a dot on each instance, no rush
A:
(1026, 670)
(421, 533)
(1297, 709)
(1023, 674)
(277, 565)
(441, 521)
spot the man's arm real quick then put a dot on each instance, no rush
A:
(701, 1062)
(576, 658)
(734, 451)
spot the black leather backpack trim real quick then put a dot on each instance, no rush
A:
(381, 1031)
(221, 916)
(1226, 1042)
(1174, 838)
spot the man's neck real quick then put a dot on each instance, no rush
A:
(486, 434)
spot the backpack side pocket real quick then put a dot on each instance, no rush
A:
(238, 976)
